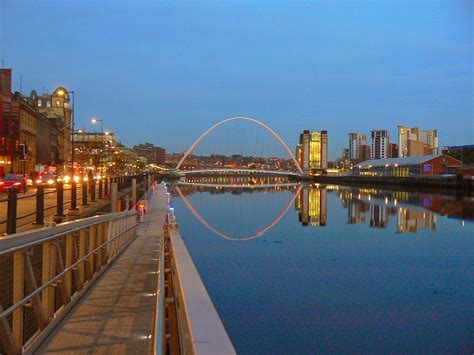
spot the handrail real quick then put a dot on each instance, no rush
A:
(10, 310)
(30, 238)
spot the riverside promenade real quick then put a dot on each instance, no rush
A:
(118, 313)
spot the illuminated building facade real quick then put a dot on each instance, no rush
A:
(312, 151)
(57, 136)
(416, 142)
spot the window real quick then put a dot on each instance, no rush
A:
(48, 103)
(58, 103)
(39, 103)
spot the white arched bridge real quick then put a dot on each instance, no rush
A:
(178, 172)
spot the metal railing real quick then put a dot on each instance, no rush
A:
(43, 271)
(55, 202)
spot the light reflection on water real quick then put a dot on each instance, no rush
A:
(342, 270)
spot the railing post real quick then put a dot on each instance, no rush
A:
(92, 185)
(73, 196)
(100, 188)
(84, 193)
(113, 197)
(11, 211)
(39, 206)
(59, 199)
(134, 190)
(106, 187)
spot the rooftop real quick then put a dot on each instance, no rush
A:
(400, 161)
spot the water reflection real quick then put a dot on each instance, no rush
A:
(236, 186)
(408, 212)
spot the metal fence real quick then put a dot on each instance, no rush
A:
(43, 271)
(18, 210)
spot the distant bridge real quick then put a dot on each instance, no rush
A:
(238, 171)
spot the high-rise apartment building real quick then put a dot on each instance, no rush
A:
(379, 144)
(416, 142)
(356, 144)
(312, 151)
(392, 150)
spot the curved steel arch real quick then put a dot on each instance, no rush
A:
(253, 120)
(229, 237)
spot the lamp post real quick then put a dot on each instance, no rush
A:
(61, 92)
(94, 120)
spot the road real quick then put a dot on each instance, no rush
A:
(27, 205)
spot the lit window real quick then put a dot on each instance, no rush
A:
(39, 103)
(48, 103)
(58, 103)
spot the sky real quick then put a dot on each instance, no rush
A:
(165, 71)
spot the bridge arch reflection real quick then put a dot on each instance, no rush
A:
(227, 236)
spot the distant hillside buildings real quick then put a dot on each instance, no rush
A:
(153, 155)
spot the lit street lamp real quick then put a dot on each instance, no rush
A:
(95, 120)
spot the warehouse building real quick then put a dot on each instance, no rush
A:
(408, 166)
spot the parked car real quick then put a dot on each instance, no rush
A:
(48, 180)
(17, 181)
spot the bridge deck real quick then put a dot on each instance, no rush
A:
(117, 313)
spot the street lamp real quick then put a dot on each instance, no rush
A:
(61, 92)
(94, 120)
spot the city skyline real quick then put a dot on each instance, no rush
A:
(310, 66)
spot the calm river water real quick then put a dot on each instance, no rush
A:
(331, 269)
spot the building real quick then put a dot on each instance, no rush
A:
(312, 151)
(343, 162)
(379, 144)
(465, 153)
(9, 126)
(357, 147)
(28, 134)
(392, 150)
(96, 149)
(408, 166)
(154, 155)
(57, 110)
(416, 142)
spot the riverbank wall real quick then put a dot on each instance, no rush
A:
(451, 184)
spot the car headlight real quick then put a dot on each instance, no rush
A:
(67, 178)
(86, 178)
(76, 178)
(50, 181)
(39, 181)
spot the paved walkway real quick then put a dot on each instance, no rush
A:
(116, 316)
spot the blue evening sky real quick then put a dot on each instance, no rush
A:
(164, 71)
